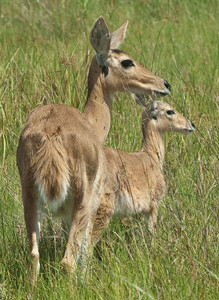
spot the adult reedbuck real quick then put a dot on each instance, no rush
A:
(135, 183)
(60, 155)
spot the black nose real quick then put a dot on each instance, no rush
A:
(193, 125)
(167, 85)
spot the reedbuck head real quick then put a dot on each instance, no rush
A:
(120, 72)
(164, 117)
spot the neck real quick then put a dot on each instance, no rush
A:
(98, 107)
(153, 143)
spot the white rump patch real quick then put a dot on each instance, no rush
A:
(57, 202)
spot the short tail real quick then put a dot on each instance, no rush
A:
(51, 171)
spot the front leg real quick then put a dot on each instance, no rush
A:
(102, 217)
(152, 221)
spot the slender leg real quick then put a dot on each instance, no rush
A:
(78, 235)
(32, 219)
(102, 217)
(152, 221)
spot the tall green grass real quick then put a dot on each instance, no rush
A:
(45, 56)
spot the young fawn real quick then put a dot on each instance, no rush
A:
(134, 181)
(60, 155)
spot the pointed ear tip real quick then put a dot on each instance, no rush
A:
(100, 19)
(125, 27)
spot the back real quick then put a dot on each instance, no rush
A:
(53, 151)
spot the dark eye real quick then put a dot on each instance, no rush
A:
(155, 118)
(127, 63)
(170, 112)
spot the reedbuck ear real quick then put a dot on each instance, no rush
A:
(118, 36)
(100, 37)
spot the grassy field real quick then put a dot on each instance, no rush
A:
(45, 56)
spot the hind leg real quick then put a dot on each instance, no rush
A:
(86, 231)
(32, 216)
(78, 242)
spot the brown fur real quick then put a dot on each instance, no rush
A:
(60, 156)
(135, 183)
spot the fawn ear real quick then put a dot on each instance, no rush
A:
(150, 108)
(118, 36)
(100, 37)
(154, 105)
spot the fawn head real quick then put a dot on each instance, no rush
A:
(165, 118)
